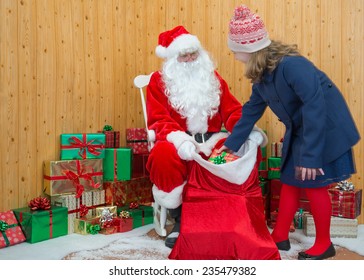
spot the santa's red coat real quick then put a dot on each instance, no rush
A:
(167, 171)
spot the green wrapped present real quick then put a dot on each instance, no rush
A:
(274, 168)
(263, 163)
(118, 164)
(87, 225)
(40, 225)
(82, 146)
(148, 216)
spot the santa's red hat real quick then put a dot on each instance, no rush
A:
(175, 41)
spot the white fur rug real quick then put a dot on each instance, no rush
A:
(138, 244)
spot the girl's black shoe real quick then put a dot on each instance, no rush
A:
(330, 252)
(284, 245)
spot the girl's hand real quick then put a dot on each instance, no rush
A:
(303, 173)
(223, 148)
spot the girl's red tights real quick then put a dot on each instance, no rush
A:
(320, 204)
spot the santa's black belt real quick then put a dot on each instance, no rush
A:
(201, 137)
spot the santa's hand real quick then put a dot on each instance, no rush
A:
(186, 150)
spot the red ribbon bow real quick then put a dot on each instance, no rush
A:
(84, 146)
(83, 210)
(133, 205)
(75, 178)
(39, 203)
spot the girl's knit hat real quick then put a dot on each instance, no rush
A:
(247, 32)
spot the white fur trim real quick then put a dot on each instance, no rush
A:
(169, 200)
(182, 42)
(151, 135)
(237, 171)
(265, 138)
(178, 137)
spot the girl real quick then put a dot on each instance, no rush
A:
(320, 131)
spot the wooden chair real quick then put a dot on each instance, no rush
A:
(160, 212)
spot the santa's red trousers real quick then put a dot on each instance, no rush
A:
(167, 171)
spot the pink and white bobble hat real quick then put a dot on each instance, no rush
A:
(247, 32)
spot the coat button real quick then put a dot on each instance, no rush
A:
(330, 85)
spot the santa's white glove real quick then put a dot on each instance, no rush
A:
(186, 150)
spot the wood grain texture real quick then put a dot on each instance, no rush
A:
(68, 66)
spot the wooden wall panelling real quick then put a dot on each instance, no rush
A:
(63, 97)
(27, 102)
(47, 140)
(68, 66)
(132, 59)
(92, 66)
(310, 34)
(9, 104)
(352, 75)
(106, 58)
(79, 56)
(120, 38)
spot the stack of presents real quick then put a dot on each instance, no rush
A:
(346, 199)
(96, 187)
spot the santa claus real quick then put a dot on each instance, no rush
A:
(188, 104)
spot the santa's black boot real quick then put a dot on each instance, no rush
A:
(172, 237)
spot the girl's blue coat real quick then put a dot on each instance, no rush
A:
(319, 126)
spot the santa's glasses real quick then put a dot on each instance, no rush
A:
(188, 57)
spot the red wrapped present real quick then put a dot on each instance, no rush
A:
(345, 203)
(223, 157)
(121, 193)
(137, 139)
(124, 222)
(139, 165)
(112, 138)
(10, 230)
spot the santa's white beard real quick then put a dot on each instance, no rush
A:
(193, 90)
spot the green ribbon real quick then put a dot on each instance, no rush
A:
(94, 229)
(3, 227)
(107, 128)
(220, 159)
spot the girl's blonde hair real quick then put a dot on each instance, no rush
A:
(267, 59)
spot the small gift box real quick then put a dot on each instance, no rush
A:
(87, 225)
(118, 164)
(112, 138)
(72, 176)
(137, 140)
(106, 215)
(274, 168)
(276, 149)
(10, 230)
(82, 146)
(339, 227)
(42, 224)
(223, 157)
(346, 201)
(124, 222)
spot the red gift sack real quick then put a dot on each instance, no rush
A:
(223, 220)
